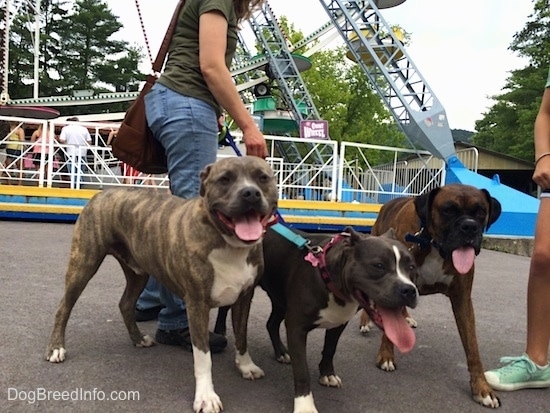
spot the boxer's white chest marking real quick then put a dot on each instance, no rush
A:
(232, 274)
(335, 315)
(431, 271)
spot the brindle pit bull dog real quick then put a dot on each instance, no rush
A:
(363, 269)
(443, 229)
(207, 250)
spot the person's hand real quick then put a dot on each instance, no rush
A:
(541, 176)
(255, 143)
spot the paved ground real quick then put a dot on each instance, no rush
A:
(432, 378)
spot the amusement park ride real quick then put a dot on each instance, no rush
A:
(372, 44)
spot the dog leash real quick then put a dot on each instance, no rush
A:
(290, 235)
(226, 139)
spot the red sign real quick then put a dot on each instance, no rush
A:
(314, 129)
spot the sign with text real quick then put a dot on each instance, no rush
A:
(314, 129)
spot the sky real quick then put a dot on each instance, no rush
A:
(460, 49)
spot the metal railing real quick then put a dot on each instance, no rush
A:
(352, 173)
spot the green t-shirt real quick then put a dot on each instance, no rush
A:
(182, 71)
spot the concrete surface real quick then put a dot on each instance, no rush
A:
(101, 360)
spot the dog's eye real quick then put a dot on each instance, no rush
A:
(379, 266)
(450, 210)
(225, 180)
(264, 178)
(480, 213)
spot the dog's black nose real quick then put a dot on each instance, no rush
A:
(251, 194)
(408, 292)
(469, 226)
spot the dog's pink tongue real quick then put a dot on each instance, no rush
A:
(463, 259)
(397, 329)
(248, 228)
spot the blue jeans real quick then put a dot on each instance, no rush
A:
(187, 128)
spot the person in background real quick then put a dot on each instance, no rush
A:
(78, 138)
(531, 370)
(14, 149)
(183, 109)
(41, 144)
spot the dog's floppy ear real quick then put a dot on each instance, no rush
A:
(203, 175)
(495, 209)
(423, 206)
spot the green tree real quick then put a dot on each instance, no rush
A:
(508, 125)
(77, 51)
(89, 53)
(327, 85)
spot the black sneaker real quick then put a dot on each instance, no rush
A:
(181, 337)
(148, 314)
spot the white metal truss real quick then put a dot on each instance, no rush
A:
(385, 61)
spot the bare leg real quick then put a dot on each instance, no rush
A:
(538, 290)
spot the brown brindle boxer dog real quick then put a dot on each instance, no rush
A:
(206, 250)
(443, 230)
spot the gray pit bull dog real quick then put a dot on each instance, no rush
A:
(359, 269)
(207, 250)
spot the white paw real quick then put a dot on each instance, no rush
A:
(412, 322)
(57, 356)
(487, 401)
(285, 359)
(146, 341)
(246, 366)
(366, 328)
(387, 366)
(305, 404)
(207, 402)
(331, 381)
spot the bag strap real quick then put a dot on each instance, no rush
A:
(161, 56)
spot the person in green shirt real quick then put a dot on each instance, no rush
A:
(182, 111)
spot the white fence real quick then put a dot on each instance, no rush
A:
(323, 170)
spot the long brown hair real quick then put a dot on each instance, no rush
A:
(244, 8)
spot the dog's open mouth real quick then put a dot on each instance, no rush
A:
(463, 259)
(248, 227)
(391, 321)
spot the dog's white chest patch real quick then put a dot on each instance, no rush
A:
(335, 315)
(431, 271)
(232, 274)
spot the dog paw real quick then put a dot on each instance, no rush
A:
(252, 372)
(57, 355)
(412, 322)
(207, 402)
(248, 369)
(489, 400)
(284, 358)
(387, 365)
(304, 404)
(331, 381)
(366, 328)
(146, 341)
